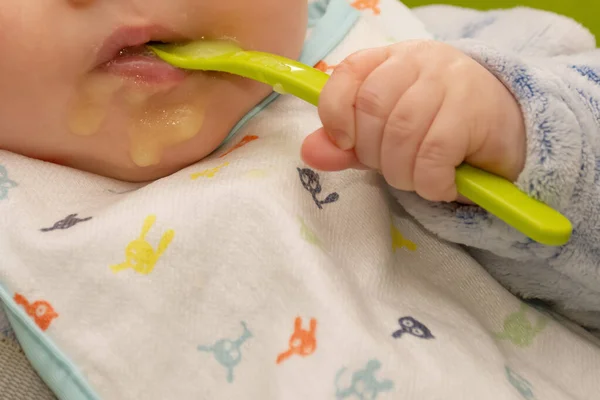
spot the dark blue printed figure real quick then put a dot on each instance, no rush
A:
(364, 385)
(521, 384)
(5, 183)
(68, 222)
(227, 352)
(311, 182)
(412, 327)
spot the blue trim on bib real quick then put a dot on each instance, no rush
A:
(332, 20)
(55, 369)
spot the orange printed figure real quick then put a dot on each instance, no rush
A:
(302, 342)
(362, 5)
(245, 140)
(41, 311)
(324, 67)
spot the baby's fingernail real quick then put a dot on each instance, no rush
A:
(341, 140)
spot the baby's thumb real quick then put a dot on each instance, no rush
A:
(319, 152)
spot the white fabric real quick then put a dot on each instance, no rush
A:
(247, 250)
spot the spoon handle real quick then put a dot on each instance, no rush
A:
(506, 201)
(491, 192)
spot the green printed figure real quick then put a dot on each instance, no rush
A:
(519, 330)
(521, 384)
(308, 235)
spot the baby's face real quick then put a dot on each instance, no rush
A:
(76, 87)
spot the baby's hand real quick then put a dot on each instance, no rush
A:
(415, 111)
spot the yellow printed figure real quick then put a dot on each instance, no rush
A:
(256, 174)
(398, 241)
(140, 255)
(209, 173)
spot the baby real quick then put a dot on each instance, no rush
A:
(189, 286)
(80, 44)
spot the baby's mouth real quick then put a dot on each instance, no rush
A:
(140, 64)
(125, 54)
(133, 51)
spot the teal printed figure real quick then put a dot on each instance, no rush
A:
(519, 330)
(412, 327)
(5, 183)
(227, 352)
(68, 222)
(311, 182)
(364, 384)
(521, 384)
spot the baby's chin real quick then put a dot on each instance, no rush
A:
(140, 133)
(141, 175)
(123, 169)
(137, 175)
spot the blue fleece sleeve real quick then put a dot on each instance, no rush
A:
(558, 89)
(552, 67)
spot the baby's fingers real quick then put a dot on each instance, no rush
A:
(320, 153)
(405, 130)
(374, 103)
(336, 103)
(443, 149)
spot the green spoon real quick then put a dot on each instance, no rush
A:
(491, 192)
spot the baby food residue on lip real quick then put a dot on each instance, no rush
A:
(91, 103)
(156, 117)
(160, 121)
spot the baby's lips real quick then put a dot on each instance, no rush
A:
(133, 36)
(145, 69)
(124, 53)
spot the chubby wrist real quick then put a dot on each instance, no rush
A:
(552, 158)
